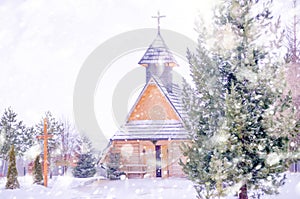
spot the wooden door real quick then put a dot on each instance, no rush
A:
(158, 160)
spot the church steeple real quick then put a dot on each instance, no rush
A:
(159, 60)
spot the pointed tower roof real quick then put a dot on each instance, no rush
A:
(158, 52)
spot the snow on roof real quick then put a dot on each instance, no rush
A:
(157, 129)
(152, 130)
(174, 97)
(158, 52)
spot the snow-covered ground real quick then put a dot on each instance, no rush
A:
(73, 188)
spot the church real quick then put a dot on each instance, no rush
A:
(148, 143)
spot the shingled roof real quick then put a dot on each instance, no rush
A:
(152, 130)
(157, 129)
(158, 53)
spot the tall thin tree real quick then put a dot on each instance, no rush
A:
(12, 174)
(37, 173)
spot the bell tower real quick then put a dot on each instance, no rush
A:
(159, 60)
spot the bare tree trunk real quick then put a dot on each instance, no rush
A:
(243, 192)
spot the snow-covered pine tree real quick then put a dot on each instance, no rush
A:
(83, 145)
(205, 105)
(54, 128)
(12, 174)
(14, 133)
(265, 120)
(249, 110)
(37, 173)
(7, 124)
(85, 167)
(113, 165)
(86, 164)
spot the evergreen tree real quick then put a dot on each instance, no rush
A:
(239, 113)
(86, 164)
(37, 172)
(113, 165)
(205, 109)
(83, 145)
(14, 133)
(12, 174)
(54, 128)
(85, 167)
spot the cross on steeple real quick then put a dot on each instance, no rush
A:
(158, 21)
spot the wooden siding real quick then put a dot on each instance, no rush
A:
(139, 154)
(153, 105)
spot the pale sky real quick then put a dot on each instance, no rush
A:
(43, 45)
